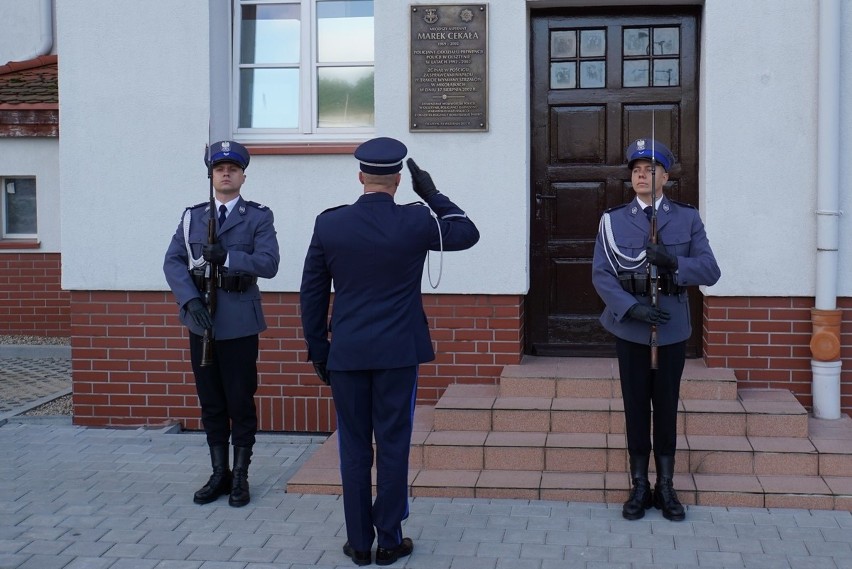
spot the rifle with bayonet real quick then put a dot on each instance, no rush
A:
(211, 275)
(653, 273)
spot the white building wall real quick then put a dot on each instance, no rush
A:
(134, 106)
(39, 158)
(21, 29)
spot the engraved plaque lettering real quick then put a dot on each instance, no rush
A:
(449, 67)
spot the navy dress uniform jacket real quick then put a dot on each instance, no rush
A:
(680, 229)
(378, 320)
(248, 235)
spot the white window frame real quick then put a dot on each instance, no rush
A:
(4, 229)
(307, 131)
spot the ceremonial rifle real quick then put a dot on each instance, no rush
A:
(211, 274)
(652, 238)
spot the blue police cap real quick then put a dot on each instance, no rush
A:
(381, 155)
(641, 150)
(227, 151)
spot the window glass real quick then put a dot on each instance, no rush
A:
(345, 31)
(345, 97)
(19, 206)
(303, 67)
(269, 98)
(270, 34)
(576, 65)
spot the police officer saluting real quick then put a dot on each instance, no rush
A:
(682, 257)
(244, 249)
(373, 251)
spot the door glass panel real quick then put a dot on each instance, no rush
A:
(636, 41)
(666, 72)
(666, 41)
(592, 74)
(592, 43)
(574, 65)
(640, 58)
(563, 44)
(563, 75)
(636, 73)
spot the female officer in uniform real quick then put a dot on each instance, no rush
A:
(620, 272)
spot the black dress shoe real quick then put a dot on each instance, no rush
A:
(359, 557)
(388, 556)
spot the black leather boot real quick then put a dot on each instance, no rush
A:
(665, 498)
(220, 481)
(240, 487)
(640, 496)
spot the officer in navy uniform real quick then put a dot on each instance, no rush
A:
(246, 248)
(620, 275)
(373, 252)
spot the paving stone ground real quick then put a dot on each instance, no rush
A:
(90, 498)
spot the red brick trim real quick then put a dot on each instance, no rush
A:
(32, 301)
(766, 340)
(131, 358)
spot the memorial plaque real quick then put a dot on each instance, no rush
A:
(449, 67)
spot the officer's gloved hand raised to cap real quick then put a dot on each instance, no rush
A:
(322, 372)
(657, 254)
(214, 253)
(199, 314)
(648, 314)
(421, 181)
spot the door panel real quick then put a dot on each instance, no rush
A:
(600, 80)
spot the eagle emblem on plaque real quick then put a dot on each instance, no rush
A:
(431, 15)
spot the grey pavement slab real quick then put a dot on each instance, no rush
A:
(27, 382)
(86, 498)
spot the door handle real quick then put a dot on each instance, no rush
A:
(538, 201)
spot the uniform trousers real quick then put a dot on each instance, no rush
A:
(381, 403)
(226, 389)
(641, 387)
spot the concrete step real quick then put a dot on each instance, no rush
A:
(599, 378)
(759, 413)
(767, 487)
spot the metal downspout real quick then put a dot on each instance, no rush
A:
(46, 44)
(825, 317)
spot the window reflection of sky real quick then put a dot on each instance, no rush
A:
(271, 37)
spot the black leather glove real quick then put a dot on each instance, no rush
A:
(421, 181)
(199, 313)
(658, 255)
(322, 372)
(214, 253)
(648, 314)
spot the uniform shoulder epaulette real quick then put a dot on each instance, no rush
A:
(683, 204)
(616, 207)
(333, 208)
(257, 205)
(413, 203)
(198, 205)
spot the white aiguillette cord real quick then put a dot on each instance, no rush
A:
(428, 258)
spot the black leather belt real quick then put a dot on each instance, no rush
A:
(640, 284)
(228, 283)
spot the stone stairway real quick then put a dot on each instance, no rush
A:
(554, 430)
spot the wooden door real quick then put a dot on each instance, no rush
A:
(598, 79)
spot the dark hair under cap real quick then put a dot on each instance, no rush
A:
(381, 156)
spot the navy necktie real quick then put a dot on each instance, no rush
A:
(647, 211)
(223, 210)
